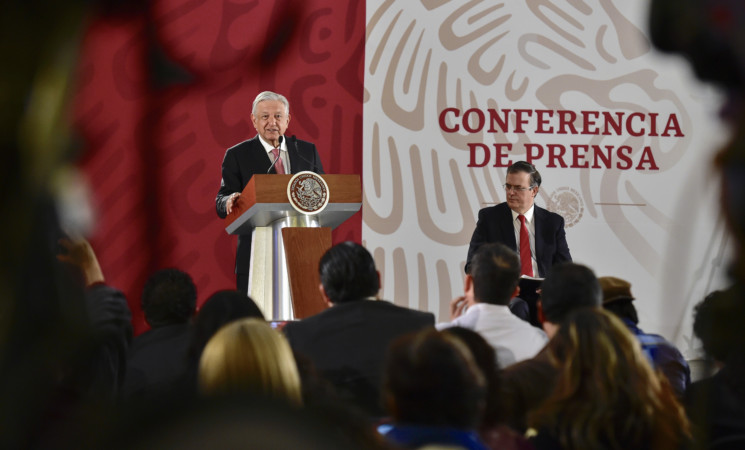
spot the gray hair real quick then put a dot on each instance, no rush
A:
(269, 95)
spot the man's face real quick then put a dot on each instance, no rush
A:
(270, 120)
(520, 200)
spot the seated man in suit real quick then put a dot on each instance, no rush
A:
(546, 245)
(495, 272)
(536, 234)
(157, 358)
(267, 152)
(348, 341)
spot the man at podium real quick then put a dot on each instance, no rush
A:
(267, 152)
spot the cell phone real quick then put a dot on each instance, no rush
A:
(278, 324)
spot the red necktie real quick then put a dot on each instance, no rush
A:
(526, 264)
(278, 166)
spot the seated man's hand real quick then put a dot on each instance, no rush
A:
(458, 306)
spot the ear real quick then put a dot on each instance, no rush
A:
(517, 291)
(468, 284)
(324, 296)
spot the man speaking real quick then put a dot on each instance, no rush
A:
(267, 152)
(536, 234)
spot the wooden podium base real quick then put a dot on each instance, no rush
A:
(310, 244)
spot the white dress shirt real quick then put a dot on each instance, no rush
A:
(513, 339)
(282, 153)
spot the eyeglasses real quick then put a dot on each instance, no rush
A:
(509, 187)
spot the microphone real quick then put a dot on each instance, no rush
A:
(278, 154)
(293, 138)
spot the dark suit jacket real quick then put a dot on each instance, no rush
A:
(347, 343)
(244, 160)
(157, 360)
(495, 225)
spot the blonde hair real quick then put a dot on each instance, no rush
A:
(248, 355)
(607, 395)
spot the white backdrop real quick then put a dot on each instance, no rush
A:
(659, 229)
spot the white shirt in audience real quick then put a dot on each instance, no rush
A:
(513, 338)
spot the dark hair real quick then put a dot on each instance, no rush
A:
(432, 379)
(486, 359)
(569, 287)
(169, 297)
(523, 166)
(348, 273)
(218, 310)
(718, 321)
(495, 269)
(623, 308)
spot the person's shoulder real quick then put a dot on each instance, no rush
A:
(494, 210)
(545, 215)
(392, 308)
(301, 144)
(245, 144)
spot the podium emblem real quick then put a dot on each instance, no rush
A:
(308, 193)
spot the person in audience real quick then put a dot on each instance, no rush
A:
(108, 323)
(220, 309)
(248, 356)
(157, 358)
(495, 434)
(347, 341)
(606, 394)
(716, 405)
(664, 356)
(527, 384)
(434, 392)
(492, 282)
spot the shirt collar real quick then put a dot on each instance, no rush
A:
(268, 147)
(528, 214)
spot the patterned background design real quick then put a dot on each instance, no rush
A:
(167, 89)
(421, 199)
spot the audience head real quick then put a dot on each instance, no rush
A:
(348, 273)
(169, 298)
(566, 288)
(486, 360)
(606, 390)
(249, 356)
(221, 308)
(495, 271)
(617, 298)
(718, 321)
(431, 379)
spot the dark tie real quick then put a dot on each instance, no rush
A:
(526, 264)
(278, 166)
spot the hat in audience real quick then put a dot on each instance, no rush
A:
(615, 289)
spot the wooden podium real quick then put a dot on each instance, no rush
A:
(287, 244)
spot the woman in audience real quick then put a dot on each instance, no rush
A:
(433, 391)
(493, 432)
(607, 396)
(249, 356)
